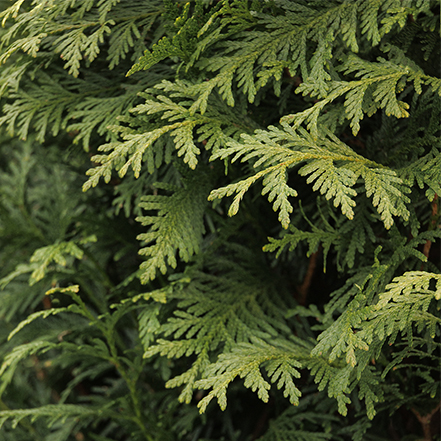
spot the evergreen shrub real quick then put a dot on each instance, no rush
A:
(219, 220)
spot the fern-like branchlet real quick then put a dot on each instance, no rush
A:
(205, 201)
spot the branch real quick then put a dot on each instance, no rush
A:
(425, 421)
(304, 287)
(432, 226)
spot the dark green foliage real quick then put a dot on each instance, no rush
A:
(220, 220)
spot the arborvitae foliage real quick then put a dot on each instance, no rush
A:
(220, 220)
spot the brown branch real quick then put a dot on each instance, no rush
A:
(47, 304)
(425, 421)
(432, 226)
(304, 287)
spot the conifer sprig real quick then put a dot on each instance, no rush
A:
(331, 165)
(189, 127)
(126, 309)
(178, 226)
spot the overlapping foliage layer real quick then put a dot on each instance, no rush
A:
(227, 201)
